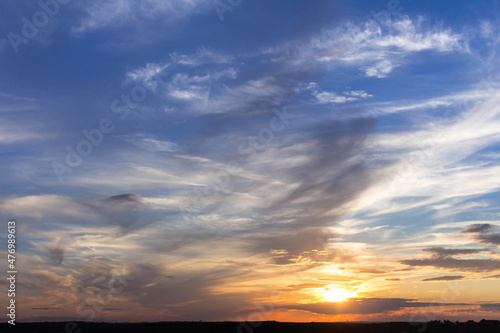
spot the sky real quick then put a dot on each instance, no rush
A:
(251, 160)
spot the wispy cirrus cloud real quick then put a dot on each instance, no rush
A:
(444, 278)
(216, 90)
(374, 48)
(14, 103)
(15, 128)
(151, 144)
(477, 228)
(364, 306)
(116, 13)
(447, 259)
(324, 97)
(431, 151)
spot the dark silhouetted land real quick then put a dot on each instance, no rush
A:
(484, 326)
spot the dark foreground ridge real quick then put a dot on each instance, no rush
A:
(484, 326)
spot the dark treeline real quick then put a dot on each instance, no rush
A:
(484, 326)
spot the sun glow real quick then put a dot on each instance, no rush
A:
(337, 295)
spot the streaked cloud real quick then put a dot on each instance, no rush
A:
(332, 97)
(116, 13)
(447, 259)
(363, 306)
(444, 278)
(376, 48)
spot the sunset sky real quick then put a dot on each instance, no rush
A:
(250, 160)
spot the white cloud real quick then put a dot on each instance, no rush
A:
(201, 57)
(454, 104)
(331, 97)
(14, 103)
(105, 13)
(207, 92)
(358, 93)
(450, 209)
(486, 29)
(408, 36)
(434, 166)
(266, 90)
(152, 144)
(190, 88)
(197, 89)
(375, 49)
(43, 206)
(146, 75)
(13, 132)
(204, 92)
(380, 70)
(324, 97)
(102, 14)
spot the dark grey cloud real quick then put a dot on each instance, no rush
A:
(445, 278)
(191, 294)
(152, 287)
(45, 284)
(363, 306)
(443, 253)
(491, 305)
(393, 280)
(127, 211)
(492, 238)
(473, 265)
(217, 307)
(55, 255)
(292, 246)
(288, 239)
(483, 233)
(328, 179)
(477, 228)
(495, 307)
(48, 279)
(407, 269)
(93, 274)
(125, 198)
(496, 276)
(445, 258)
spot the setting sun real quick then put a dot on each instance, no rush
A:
(337, 295)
